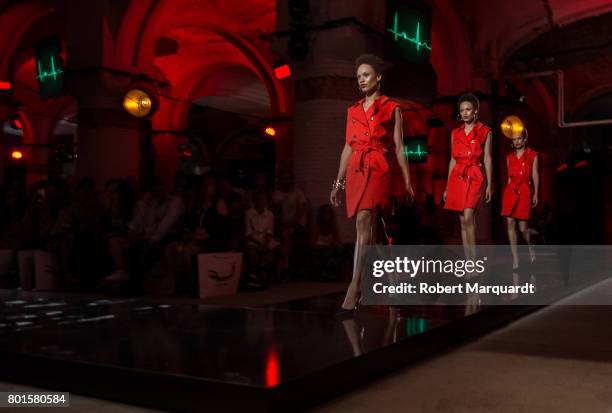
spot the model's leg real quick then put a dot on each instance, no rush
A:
(524, 228)
(366, 220)
(512, 237)
(470, 232)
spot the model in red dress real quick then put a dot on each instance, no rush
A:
(520, 194)
(469, 170)
(373, 166)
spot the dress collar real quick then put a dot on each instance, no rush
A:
(476, 127)
(379, 101)
(525, 153)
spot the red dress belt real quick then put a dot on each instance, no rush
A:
(365, 150)
(466, 164)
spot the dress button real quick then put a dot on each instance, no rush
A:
(469, 152)
(366, 133)
(353, 120)
(372, 118)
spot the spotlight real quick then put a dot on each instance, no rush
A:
(512, 127)
(15, 122)
(580, 164)
(186, 152)
(139, 103)
(16, 154)
(282, 71)
(6, 86)
(270, 131)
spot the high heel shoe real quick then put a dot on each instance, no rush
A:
(532, 259)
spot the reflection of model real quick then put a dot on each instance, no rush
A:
(521, 193)
(467, 181)
(372, 162)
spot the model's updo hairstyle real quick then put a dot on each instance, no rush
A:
(469, 97)
(369, 59)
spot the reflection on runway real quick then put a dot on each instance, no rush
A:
(260, 359)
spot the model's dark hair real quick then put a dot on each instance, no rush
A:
(369, 59)
(469, 97)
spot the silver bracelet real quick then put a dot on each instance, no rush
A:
(339, 184)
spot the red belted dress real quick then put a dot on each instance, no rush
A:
(373, 174)
(467, 180)
(518, 194)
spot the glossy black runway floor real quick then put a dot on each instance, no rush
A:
(284, 357)
(188, 357)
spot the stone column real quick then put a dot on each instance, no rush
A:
(325, 87)
(108, 138)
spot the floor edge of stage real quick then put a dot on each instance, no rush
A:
(183, 393)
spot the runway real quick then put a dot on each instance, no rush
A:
(189, 357)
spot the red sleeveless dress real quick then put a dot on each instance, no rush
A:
(467, 180)
(373, 174)
(518, 194)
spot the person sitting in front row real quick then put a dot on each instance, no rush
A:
(262, 249)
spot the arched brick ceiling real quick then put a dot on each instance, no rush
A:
(498, 28)
(254, 16)
(583, 50)
(200, 50)
(234, 89)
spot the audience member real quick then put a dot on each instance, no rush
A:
(290, 210)
(203, 229)
(262, 249)
(329, 258)
(156, 220)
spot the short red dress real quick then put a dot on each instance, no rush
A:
(518, 194)
(467, 180)
(373, 174)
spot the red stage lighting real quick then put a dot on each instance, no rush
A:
(16, 154)
(282, 71)
(5, 86)
(562, 167)
(581, 164)
(16, 123)
(270, 131)
(272, 367)
(186, 152)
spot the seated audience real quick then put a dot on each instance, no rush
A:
(262, 249)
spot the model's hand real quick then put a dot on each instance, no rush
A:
(488, 194)
(534, 202)
(410, 193)
(334, 198)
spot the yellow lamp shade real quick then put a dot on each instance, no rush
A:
(512, 127)
(137, 103)
(270, 131)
